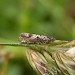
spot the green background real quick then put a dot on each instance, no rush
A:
(45, 17)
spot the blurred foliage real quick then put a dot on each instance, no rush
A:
(47, 17)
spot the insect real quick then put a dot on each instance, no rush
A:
(35, 39)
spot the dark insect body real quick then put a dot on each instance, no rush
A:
(35, 39)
